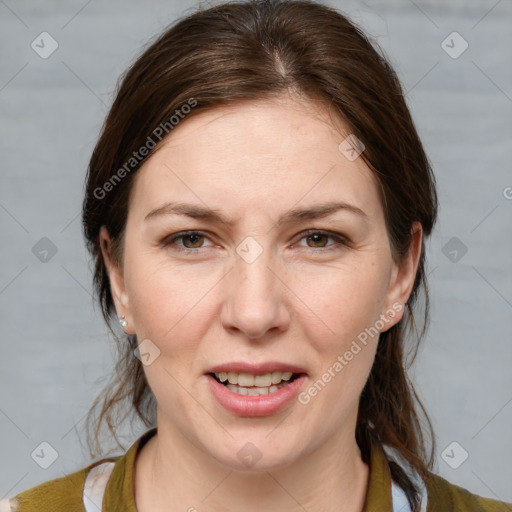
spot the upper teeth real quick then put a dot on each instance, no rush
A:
(246, 379)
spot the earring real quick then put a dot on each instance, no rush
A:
(122, 321)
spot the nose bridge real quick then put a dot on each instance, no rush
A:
(252, 262)
(254, 302)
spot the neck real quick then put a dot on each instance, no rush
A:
(171, 470)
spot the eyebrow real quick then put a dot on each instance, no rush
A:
(291, 217)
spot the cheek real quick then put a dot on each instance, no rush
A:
(337, 390)
(165, 298)
(166, 304)
(349, 305)
(342, 301)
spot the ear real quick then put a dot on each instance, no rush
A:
(402, 278)
(116, 278)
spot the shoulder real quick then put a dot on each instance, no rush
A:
(72, 492)
(61, 494)
(443, 495)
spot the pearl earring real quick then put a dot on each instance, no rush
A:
(122, 321)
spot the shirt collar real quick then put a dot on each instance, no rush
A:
(378, 494)
(121, 485)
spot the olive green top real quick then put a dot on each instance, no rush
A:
(65, 494)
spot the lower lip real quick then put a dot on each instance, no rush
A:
(252, 406)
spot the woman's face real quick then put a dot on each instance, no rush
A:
(257, 289)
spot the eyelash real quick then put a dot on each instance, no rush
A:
(182, 234)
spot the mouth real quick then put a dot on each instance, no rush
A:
(253, 389)
(248, 384)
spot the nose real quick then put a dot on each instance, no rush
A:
(255, 297)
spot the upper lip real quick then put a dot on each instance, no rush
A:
(256, 368)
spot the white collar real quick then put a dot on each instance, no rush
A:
(400, 501)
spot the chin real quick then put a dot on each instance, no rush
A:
(256, 457)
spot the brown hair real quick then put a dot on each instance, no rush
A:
(243, 51)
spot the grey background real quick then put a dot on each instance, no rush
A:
(54, 343)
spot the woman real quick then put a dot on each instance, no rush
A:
(256, 207)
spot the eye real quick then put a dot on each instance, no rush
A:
(194, 240)
(316, 237)
(193, 236)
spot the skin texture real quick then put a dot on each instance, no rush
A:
(302, 301)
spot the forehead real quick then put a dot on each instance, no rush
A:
(261, 154)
